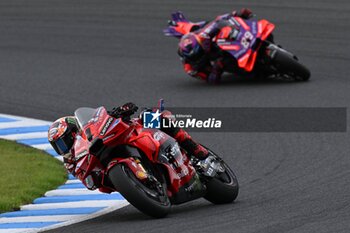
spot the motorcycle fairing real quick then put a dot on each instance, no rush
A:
(155, 144)
(244, 47)
(100, 125)
(152, 143)
(193, 189)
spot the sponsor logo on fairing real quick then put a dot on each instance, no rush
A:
(183, 172)
(106, 126)
(108, 137)
(174, 149)
(80, 155)
(233, 21)
(254, 27)
(241, 52)
(191, 187)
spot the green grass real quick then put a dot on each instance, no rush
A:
(25, 174)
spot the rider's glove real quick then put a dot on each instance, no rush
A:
(217, 69)
(69, 164)
(244, 13)
(124, 111)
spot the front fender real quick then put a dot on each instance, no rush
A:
(130, 162)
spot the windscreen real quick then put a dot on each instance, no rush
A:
(84, 115)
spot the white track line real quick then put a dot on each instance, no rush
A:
(19, 230)
(26, 123)
(21, 136)
(45, 146)
(71, 192)
(86, 217)
(75, 204)
(73, 181)
(20, 118)
(50, 218)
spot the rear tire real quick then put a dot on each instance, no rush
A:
(135, 192)
(290, 66)
(224, 188)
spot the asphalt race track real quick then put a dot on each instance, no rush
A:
(56, 56)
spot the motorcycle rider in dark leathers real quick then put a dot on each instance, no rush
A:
(200, 57)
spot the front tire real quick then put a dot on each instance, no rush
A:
(150, 202)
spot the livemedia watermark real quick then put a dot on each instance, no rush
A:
(251, 119)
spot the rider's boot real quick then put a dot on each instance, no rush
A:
(184, 139)
(192, 147)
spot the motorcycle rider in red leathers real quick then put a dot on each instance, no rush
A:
(200, 58)
(63, 132)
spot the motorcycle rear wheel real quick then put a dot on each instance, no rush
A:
(290, 66)
(149, 201)
(223, 188)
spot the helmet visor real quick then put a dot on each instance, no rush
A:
(195, 56)
(63, 144)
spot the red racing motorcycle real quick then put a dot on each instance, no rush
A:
(147, 166)
(246, 44)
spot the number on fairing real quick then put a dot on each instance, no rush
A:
(247, 38)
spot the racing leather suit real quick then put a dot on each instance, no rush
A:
(211, 66)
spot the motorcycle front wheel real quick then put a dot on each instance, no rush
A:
(151, 198)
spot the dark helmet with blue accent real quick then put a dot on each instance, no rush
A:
(190, 48)
(61, 135)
